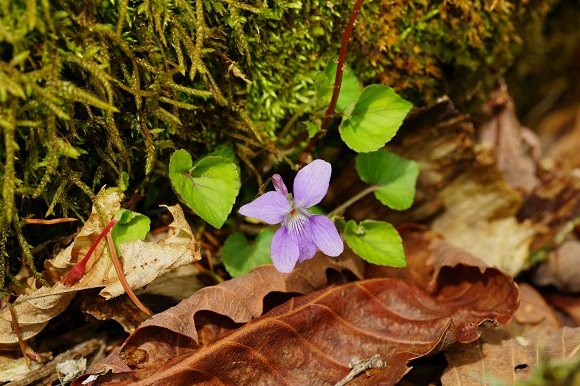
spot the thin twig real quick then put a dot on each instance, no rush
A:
(48, 222)
(214, 276)
(340, 65)
(358, 366)
(47, 372)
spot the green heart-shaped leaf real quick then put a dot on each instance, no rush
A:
(209, 187)
(377, 242)
(373, 119)
(240, 256)
(396, 177)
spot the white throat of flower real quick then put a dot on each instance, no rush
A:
(295, 220)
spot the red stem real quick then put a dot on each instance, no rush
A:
(341, 60)
(339, 70)
(78, 270)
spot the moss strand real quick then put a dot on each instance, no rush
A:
(28, 257)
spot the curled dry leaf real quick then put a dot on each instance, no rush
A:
(510, 353)
(309, 339)
(444, 271)
(109, 203)
(142, 262)
(216, 310)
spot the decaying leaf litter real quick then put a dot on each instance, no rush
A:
(447, 297)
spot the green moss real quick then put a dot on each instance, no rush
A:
(428, 48)
(92, 91)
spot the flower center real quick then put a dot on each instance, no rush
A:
(296, 218)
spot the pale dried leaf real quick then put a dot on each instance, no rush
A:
(479, 218)
(176, 285)
(110, 203)
(34, 311)
(143, 262)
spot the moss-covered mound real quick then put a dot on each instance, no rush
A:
(99, 92)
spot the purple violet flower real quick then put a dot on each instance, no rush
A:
(302, 232)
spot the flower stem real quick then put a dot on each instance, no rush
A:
(341, 60)
(122, 277)
(338, 78)
(341, 208)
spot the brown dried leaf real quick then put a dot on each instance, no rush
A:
(515, 147)
(445, 270)
(309, 339)
(568, 304)
(216, 310)
(457, 272)
(534, 309)
(509, 353)
(143, 262)
(122, 310)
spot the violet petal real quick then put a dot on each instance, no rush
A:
(284, 250)
(306, 245)
(311, 183)
(325, 235)
(270, 207)
(279, 185)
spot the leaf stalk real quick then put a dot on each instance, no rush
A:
(341, 208)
